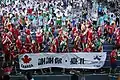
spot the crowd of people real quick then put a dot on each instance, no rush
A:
(29, 26)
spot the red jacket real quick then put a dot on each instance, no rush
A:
(113, 56)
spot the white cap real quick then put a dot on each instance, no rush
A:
(33, 41)
(19, 37)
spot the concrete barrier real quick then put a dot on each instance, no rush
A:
(44, 77)
(67, 77)
(94, 77)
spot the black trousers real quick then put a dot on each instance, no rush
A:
(74, 77)
(117, 22)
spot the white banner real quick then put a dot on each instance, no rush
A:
(62, 60)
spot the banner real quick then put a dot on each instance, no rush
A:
(62, 60)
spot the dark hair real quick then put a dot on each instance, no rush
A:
(6, 77)
(108, 23)
(29, 75)
(111, 15)
(89, 26)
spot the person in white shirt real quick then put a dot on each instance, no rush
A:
(95, 18)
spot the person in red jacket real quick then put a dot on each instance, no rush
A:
(39, 39)
(118, 40)
(27, 31)
(111, 30)
(113, 60)
(53, 48)
(23, 50)
(28, 42)
(7, 69)
(19, 43)
(33, 47)
(16, 32)
(87, 49)
(90, 34)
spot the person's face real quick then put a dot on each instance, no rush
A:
(116, 50)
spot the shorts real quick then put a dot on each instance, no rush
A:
(94, 22)
(110, 35)
(114, 65)
(100, 13)
(58, 22)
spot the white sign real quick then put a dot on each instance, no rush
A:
(62, 60)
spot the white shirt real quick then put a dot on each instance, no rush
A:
(95, 17)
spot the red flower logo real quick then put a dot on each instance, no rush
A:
(26, 59)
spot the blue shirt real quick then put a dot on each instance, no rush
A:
(99, 9)
(73, 22)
